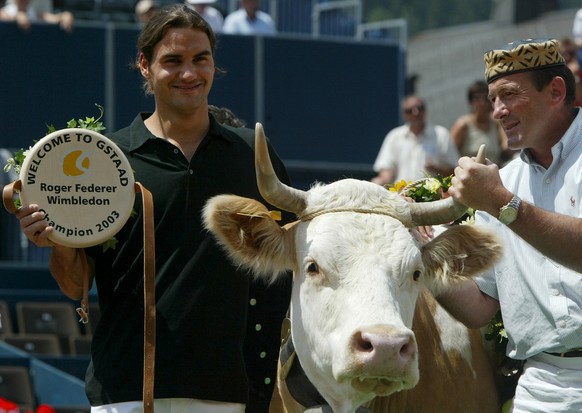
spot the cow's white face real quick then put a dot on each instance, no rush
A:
(352, 305)
(357, 273)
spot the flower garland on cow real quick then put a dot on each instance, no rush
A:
(432, 189)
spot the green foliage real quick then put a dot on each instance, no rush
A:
(496, 333)
(89, 123)
(111, 243)
(423, 15)
(16, 161)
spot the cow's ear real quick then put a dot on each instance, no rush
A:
(251, 237)
(460, 252)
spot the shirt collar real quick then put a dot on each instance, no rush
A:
(564, 146)
(140, 134)
(570, 139)
(421, 135)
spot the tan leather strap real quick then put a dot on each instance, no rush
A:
(149, 292)
(8, 195)
(83, 311)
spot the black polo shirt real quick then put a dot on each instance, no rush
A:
(201, 298)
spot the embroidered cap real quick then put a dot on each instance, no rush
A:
(522, 56)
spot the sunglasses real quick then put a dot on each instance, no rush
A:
(410, 111)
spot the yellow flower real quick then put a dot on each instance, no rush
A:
(397, 187)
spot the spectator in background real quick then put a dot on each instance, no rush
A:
(26, 12)
(478, 127)
(209, 13)
(249, 19)
(415, 149)
(144, 10)
(577, 33)
(569, 50)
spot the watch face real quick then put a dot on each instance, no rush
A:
(508, 215)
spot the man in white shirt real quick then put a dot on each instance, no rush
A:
(208, 13)
(249, 19)
(26, 12)
(416, 149)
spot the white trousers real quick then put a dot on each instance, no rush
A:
(172, 406)
(549, 384)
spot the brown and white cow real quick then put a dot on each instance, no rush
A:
(359, 269)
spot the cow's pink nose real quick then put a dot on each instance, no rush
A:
(384, 346)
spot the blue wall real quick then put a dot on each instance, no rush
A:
(320, 101)
(326, 105)
(47, 76)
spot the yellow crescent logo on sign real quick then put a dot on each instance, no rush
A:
(74, 164)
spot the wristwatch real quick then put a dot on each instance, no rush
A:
(508, 213)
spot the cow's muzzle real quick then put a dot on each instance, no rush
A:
(383, 360)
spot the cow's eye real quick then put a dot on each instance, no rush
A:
(312, 268)
(416, 275)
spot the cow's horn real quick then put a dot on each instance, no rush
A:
(437, 212)
(444, 210)
(271, 188)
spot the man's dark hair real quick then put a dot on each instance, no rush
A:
(542, 77)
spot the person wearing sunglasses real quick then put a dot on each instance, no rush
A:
(415, 149)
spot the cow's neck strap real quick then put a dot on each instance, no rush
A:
(310, 216)
(299, 386)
